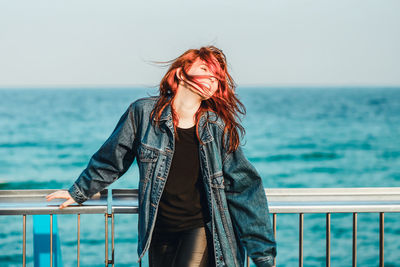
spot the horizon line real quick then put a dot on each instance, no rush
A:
(138, 86)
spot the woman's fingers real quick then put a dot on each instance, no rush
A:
(67, 203)
(61, 194)
(58, 194)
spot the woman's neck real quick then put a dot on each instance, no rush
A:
(186, 103)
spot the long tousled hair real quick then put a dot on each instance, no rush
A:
(223, 102)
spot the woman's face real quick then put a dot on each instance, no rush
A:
(200, 68)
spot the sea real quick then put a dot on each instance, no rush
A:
(296, 137)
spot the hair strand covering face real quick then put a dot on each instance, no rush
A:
(224, 101)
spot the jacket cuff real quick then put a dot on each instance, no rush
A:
(77, 194)
(267, 261)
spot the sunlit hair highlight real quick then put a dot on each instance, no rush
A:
(223, 102)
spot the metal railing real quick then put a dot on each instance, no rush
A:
(281, 201)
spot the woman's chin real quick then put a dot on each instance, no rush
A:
(205, 97)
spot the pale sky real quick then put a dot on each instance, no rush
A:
(274, 43)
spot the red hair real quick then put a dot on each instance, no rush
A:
(223, 102)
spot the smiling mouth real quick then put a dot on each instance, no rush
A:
(206, 85)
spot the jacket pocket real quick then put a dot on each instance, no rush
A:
(147, 160)
(147, 154)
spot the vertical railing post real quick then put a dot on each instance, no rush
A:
(328, 239)
(274, 228)
(24, 240)
(78, 249)
(107, 260)
(51, 240)
(301, 221)
(381, 239)
(109, 214)
(106, 239)
(354, 239)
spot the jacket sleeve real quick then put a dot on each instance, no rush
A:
(248, 208)
(110, 162)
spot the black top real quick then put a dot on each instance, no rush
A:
(183, 204)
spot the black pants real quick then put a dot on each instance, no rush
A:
(189, 248)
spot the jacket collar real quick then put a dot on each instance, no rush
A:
(166, 114)
(204, 131)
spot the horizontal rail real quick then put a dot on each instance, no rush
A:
(333, 200)
(280, 200)
(33, 202)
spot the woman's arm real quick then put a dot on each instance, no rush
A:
(109, 163)
(248, 208)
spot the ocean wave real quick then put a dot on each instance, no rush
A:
(4, 185)
(41, 144)
(297, 157)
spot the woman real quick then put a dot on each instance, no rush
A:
(201, 202)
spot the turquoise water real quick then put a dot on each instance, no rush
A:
(295, 137)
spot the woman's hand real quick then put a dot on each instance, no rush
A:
(61, 194)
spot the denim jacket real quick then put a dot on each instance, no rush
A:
(235, 194)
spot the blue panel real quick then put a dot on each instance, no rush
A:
(41, 241)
